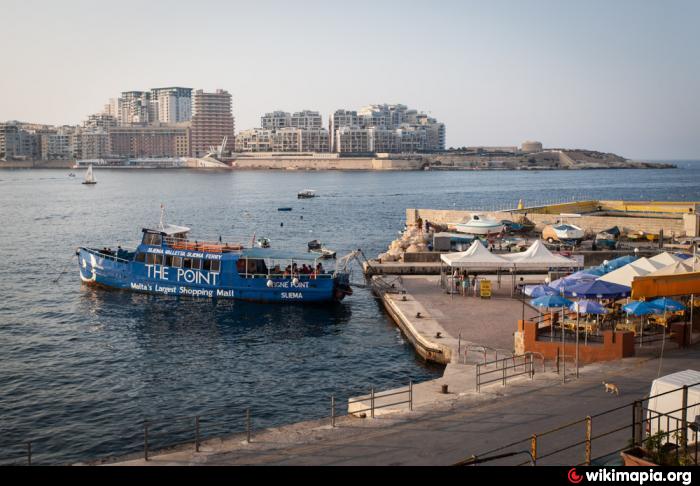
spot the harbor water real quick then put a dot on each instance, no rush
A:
(83, 368)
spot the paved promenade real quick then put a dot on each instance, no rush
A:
(451, 431)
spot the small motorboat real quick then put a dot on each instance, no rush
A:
(284, 209)
(326, 253)
(566, 233)
(608, 238)
(89, 177)
(263, 243)
(317, 247)
(71, 175)
(306, 194)
(480, 225)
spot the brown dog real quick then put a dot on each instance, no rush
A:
(612, 388)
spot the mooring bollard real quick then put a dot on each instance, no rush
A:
(247, 424)
(145, 441)
(196, 433)
(332, 410)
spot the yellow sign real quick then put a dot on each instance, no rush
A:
(485, 286)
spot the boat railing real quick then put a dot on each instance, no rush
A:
(198, 245)
(300, 276)
(106, 256)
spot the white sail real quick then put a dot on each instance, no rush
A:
(89, 178)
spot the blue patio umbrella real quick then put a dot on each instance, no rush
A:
(640, 308)
(550, 301)
(588, 307)
(666, 304)
(599, 289)
(565, 283)
(535, 291)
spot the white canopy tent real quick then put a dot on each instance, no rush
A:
(538, 257)
(476, 257)
(648, 264)
(665, 258)
(624, 275)
(672, 269)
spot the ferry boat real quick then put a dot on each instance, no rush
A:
(168, 262)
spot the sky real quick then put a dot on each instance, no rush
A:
(616, 76)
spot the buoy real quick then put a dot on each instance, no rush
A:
(281, 224)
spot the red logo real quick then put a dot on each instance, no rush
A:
(573, 477)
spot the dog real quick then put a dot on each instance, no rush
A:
(612, 388)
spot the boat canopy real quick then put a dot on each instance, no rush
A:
(276, 254)
(168, 230)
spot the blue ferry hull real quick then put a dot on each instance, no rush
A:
(97, 268)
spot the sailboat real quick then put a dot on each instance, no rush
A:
(89, 178)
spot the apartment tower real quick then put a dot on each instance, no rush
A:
(212, 120)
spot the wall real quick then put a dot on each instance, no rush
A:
(616, 345)
(332, 163)
(591, 224)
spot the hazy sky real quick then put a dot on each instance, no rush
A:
(613, 75)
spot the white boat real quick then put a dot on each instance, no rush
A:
(89, 177)
(306, 194)
(562, 232)
(480, 225)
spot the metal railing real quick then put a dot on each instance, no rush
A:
(614, 433)
(522, 364)
(188, 432)
(373, 397)
(106, 256)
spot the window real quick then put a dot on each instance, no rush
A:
(168, 260)
(187, 263)
(197, 263)
(177, 262)
(153, 259)
(152, 239)
(212, 265)
(140, 257)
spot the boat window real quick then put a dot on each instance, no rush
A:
(212, 265)
(140, 257)
(187, 263)
(152, 239)
(168, 260)
(197, 263)
(177, 262)
(153, 259)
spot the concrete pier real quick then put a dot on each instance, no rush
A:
(454, 330)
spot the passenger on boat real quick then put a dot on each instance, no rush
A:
(319, 268)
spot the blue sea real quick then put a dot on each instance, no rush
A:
(82, 369)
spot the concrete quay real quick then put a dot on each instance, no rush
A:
(443, 433)
(454, 330)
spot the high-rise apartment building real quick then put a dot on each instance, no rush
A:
(275, 120)
(390, 128)
(150, 141)
(212, 120)
(134, 108)
(172, 105)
